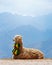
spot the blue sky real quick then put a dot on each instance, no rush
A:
(34, 8)
(26, 7)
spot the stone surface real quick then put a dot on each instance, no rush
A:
(26, 62)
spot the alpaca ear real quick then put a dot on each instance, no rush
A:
(21, 36)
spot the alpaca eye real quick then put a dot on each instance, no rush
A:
(18, 45)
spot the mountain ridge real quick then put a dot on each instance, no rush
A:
(33, 37)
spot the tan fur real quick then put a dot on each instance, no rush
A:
(27, 53)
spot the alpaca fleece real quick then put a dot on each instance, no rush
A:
(26, 53)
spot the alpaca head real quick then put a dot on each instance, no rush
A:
(18, 40)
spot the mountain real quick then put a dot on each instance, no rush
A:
(47, 48)
(36, 32)
(10, 21)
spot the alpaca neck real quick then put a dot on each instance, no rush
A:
(21, 49)
(21, 46)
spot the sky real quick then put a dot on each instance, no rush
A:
(26, 7)
(34, 8)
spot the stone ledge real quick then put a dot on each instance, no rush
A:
(26, 62)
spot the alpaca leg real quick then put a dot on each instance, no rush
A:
(40, 55)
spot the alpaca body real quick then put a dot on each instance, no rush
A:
(29, 53)
(26, 53)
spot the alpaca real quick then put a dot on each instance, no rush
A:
(25, 53)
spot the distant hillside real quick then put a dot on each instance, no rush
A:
(33, 37)
(10, 21)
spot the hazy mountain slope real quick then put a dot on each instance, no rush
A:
(29, 28)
